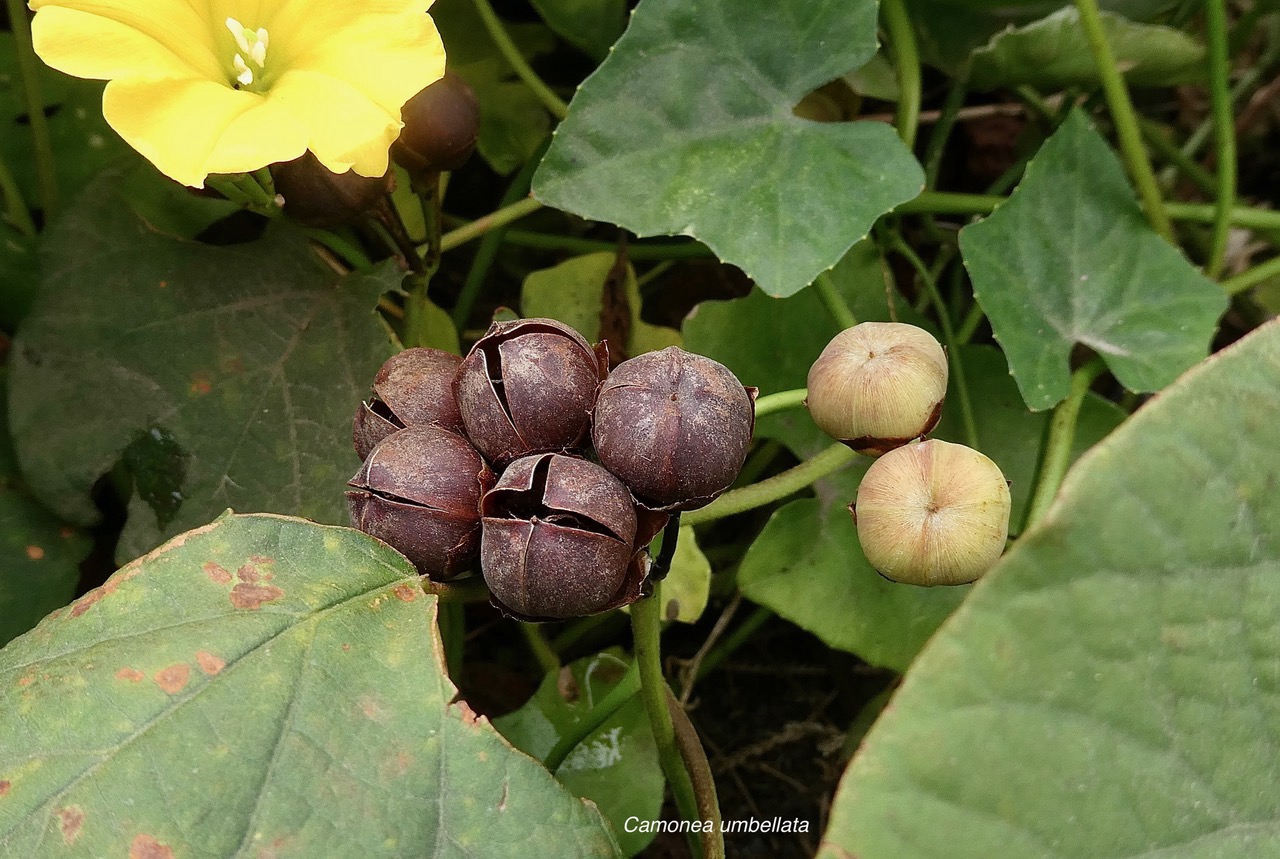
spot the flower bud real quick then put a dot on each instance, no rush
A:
(878, 385)
(527, 387)
(419, 491)
(413, 388)
(441, 124)
(933, 513)
(674, 427)
(561, 539)
(315, 197)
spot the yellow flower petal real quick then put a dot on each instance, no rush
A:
(347, 130)
(111, 39)
(389, 61)
(190, 129)
(311, 22)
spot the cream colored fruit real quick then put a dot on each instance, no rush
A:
(933, 513)
(878, 385)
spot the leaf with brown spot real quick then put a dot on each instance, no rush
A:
(248, 573)
(244, 712)
(5, 784)
(252, 597)
(218, 574)
(209, 663)
(174, 678)
(70, 819)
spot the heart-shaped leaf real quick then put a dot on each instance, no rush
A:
(688, 128)
(1070, 259)
(220, 375)
(262, 686)
(1109, 689)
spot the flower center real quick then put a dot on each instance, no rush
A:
(251, 59)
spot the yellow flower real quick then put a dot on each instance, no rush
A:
(229, 86)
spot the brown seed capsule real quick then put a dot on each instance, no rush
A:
(412, 388)
(562, 539)
(674, 427)
(441, 125)
(878, 385)
(933, 513)
(315, 197)
(419, 491)
(528, 386)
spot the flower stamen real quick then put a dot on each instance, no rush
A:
(253, 44)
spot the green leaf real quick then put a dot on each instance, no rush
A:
(262, 685)
(685, 590)
(1117, 667)
(19, 276)
(616, 766)
(574, 292)
(223, 375)
(687, 128)
(39, 555)
(591, 25)
(1052, 54)
(1070, 259)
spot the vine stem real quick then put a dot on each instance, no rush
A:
(906, 63)
(28, 71)
(511, 53)
(948, 334)
(780, 401)
(836, 305)
(1125, 119)
(1062, 432)
(493, 220)
(646, 628)
(735, 501)
(699, 769)
(1224, 131)
(591, 721)
(16, 212)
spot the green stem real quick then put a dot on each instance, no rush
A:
(492, 242)
(1224, 131)
(29, 71)
(938, 141)
(452, 620)
(467, 590)
(731, 642)
(1252, 277)
(580, 628)
(511, 53)
(1125, 119)
(591, 721)
(970, 324)
(948, 336)
(699, 769)
(836, 305)
(1062, 431)
(1165, 148)
(646, 627)
(542, 652)
(906, 63)
(780, 401)
(491, 221)
(789, 482)
(16, 211)
(341, 247)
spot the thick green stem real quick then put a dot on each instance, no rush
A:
(1252, 277)
(948, 336)
(906, 63)
(646, 627)
(780, 401)
(1224, 131)
(511, 53)
(591, 721)
(1062, 432)
(1125, 119)
(775, 488)
(542, 652)
(836, 305)
(15, 208)
(29, 71)
(1167, 149)
(493, 220)
(467, 590)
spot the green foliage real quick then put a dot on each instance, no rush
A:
(292, 675)
(591, 25)
(687, 128)
(1070, 259)
(247, 361)
(1116, 666)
